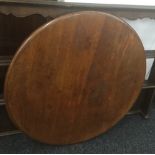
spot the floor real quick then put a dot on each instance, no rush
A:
(133, 134)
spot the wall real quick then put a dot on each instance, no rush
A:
(146, 30)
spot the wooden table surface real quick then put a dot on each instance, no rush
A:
(75, 77)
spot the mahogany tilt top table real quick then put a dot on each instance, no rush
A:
(75, 77)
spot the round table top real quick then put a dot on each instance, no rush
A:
(75, 77)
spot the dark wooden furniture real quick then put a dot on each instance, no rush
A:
(75, 77)
(19, 18)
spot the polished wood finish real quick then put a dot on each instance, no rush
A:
(75, 77)
(17, 13)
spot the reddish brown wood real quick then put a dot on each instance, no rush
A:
(75, 77)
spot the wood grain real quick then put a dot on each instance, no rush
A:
(75, 77)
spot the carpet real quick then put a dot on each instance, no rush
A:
(133, 134)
